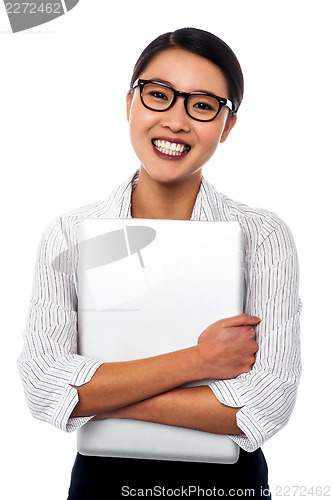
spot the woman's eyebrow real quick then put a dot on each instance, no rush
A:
(160, 80)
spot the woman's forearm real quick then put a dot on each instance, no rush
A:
(119, 384)
(194, 408)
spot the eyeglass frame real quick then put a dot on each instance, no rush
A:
(222, 100)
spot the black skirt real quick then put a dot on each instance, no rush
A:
(95, 478)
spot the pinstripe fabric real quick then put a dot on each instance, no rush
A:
(49, 362)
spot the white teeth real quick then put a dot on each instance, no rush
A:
(170, 148)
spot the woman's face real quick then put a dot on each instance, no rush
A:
(186, 72)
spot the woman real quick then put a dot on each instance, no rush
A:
(185, 92)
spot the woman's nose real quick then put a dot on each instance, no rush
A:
(176, 118)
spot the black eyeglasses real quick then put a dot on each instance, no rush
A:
(200, 106)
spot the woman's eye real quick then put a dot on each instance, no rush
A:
(203, 106)
(158, 95)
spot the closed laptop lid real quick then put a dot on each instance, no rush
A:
(147, 287)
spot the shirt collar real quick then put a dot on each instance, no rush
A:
(209, 204)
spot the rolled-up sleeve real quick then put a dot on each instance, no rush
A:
(267, 393)
(49, 364)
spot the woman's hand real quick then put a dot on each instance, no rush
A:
(228, 347)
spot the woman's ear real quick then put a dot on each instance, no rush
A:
(128, 99)
(228, 127)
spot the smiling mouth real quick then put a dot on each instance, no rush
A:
(171, 148)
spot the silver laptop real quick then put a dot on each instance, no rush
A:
(148, 287)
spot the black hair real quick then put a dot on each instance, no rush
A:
(204, 44)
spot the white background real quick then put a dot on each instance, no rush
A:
(64, 143)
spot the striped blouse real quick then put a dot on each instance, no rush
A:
(49, 364)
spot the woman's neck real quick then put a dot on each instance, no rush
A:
(155, 200)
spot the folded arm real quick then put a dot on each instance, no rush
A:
(194, 408)
(147, 389)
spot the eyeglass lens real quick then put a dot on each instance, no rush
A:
(159, 98)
